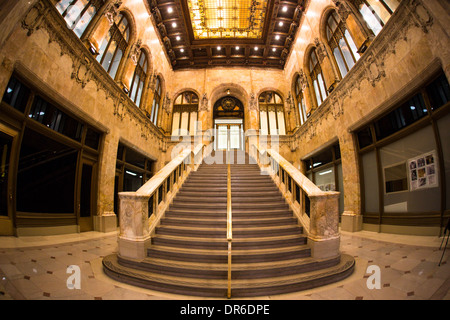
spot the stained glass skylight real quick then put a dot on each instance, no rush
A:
(227, 18)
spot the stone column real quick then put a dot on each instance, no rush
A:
(106, 219)
(351, 219)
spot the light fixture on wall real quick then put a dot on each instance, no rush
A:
(228, 91)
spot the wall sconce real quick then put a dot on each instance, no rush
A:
(228, 91)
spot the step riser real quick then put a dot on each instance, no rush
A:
(254, 258)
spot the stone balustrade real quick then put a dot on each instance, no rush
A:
(140, 212)
(316, 210)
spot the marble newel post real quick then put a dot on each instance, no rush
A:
(134, 236)
(323, 236)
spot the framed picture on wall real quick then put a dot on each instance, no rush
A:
(423, 171)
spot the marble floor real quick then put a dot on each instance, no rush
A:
(35, 268)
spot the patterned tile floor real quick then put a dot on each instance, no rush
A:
(36, 268)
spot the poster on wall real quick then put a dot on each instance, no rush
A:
(423, 171)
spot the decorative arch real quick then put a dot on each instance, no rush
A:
(236, 91)
(115, 46)
(338, 42)
(185, 113)
(314, 74)
(228, 107)
(271, 113)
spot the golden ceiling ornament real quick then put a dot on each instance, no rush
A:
(227, 18)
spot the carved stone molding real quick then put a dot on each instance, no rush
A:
(422, 17)
(135, 51)
(112, 11)
(320, 50)
(85, 68)
(203, 106)
(253, 103)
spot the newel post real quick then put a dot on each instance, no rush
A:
(134, 236)
(324, 236)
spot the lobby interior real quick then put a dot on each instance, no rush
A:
(214, 149)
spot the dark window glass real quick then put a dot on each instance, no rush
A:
(337, 152)
(51, 117)
(5, 152)
(132, 180)
(92, 138)
(16, 94)
(322, 158)
(401, 117)
(365, 137)
(46, 175)
(120, 152)
(439, 92)
(86, 184)
(135, 158)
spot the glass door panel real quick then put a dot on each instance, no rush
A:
(235, 136)
(222, 137)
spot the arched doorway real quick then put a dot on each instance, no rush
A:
(228, 117)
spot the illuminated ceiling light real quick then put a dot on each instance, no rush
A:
(280, 23)
(178, 38)
(237, 47)
(277, 37)
(256, 48)
(285, 8)
(181, 50)
(274, 49)
(170, 10)
(174, 24)
(219, 48)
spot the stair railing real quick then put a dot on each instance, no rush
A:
(140, 212)
(316, 210)
(229, 229)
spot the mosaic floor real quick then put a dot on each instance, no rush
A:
(36, 268)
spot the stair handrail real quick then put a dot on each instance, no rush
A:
(316, 210)
(140, 212)
(229, 229)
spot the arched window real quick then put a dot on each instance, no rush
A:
(140, 74)
(156, 101)
(271, 114)
(78, 13)
(185, 110)
(341, 43)
(114, 45)
(317, 78)
(300, 100)
(377, 12)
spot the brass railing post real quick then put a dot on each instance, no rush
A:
(229, 228)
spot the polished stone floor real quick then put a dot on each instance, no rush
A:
(36, 268)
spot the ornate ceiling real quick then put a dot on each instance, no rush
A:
(209, 33)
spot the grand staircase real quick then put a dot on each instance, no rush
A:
(189, 254)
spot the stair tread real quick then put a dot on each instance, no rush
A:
(346, 263)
